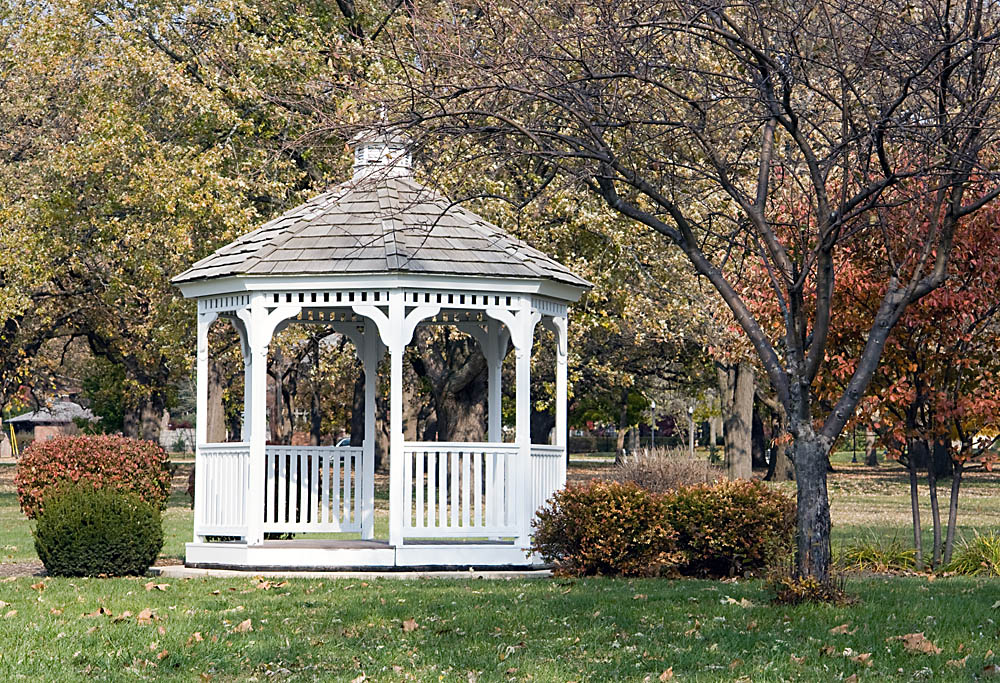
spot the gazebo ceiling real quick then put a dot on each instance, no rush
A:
(379, 223)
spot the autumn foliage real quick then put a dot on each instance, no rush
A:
(605, 528)
(105, 461)
(610, 528)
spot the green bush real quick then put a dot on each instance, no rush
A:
(978, 557)
(604, 528)
(87, 531)
(730, 527)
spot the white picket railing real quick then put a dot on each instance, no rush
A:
(548, 473)
(312, 489)
(459, 490)
(221, 481)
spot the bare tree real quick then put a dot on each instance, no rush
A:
(747, 134)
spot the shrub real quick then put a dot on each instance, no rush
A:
(661, 470)
(730, 527)
(978, 557)
(104, 461)
(87, 531)
(604, 528)
(878, 554)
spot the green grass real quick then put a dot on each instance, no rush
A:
(542, 630)
(548, 630)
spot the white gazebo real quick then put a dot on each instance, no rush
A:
(372, 259)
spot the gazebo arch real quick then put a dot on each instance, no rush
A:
(372, 259)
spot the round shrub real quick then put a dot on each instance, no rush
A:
(604, 528)
(105, 461)
(730, 527)
(87, 531)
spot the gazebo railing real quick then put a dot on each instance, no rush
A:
(312, 489)
(459, 490)
(548, 473)
(221, 483)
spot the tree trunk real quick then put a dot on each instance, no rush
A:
(736, 384)
(871, 452)
(542, 424)
(358, 411)
(911, 461)
(622, 428)
(956, 483)
(932, 477)
(758, 442)
(813, 507)
(216, 418)
(633, 440)
(713, 437)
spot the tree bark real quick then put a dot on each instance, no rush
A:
(758, 442)
(813, 506)
(911, 462)
(622, 428)
(956, 483)
(871, 451)
(216, 418)
(736, 385)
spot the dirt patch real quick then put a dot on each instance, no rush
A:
(27, 568)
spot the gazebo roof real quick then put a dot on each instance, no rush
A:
(379, 223)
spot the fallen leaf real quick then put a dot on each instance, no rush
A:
(99, 612)
(92, 629)
(144, 617)
(205, 676)
(121, 617)
(958, 663)
(797, 660)
(667, 674)
(996, 604)
(735, 664)
(853, 678)
(11, 613)
(243, 626)
(162, 654)
(359, 679)
(195, 638)
(752, 625)
(54, 610)
(691, 631)
(162, 631)
(745, 603)
(865, 659)
(842, 629)
(639, 596)
(158, 586)
(40, 586)
(918, 643)
(410, 625)
(828, 651)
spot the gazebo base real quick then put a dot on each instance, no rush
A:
(332, 555)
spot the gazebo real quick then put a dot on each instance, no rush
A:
(372, 259)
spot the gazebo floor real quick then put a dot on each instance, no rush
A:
(324, 554)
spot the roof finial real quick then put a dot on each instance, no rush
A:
(381, 151)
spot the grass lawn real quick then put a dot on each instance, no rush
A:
(543, 630)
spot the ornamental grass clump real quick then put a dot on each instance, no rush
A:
(605, 528)
(662, 470)
(978, 557)
(103, 461)
(87, 531)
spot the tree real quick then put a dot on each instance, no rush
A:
(691, 117)
(935, 400)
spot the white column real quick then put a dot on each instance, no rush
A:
(260, 339)
(370, 353)
(562, 358)
(245, 349)
(494, 360)
(396, 462)
(205, 321)
(260, 325)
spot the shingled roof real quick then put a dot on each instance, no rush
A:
(379, 223)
